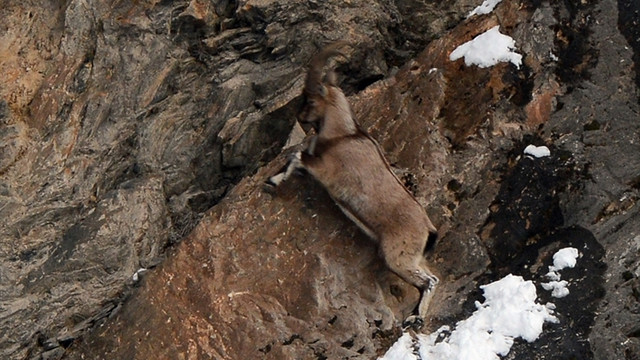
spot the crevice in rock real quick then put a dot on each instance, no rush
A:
(575, 51)
(527, 205)
(291, 339)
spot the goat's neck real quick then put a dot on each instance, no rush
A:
(338, 120)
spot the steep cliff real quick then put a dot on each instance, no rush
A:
(137, 135)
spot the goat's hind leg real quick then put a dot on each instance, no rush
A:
(416, 320)
(418, 274)
(426, 296)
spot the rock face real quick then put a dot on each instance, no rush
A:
(138, 134)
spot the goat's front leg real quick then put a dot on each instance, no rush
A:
(311, 147)
(295, 163)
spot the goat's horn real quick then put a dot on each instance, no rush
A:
(314, 76)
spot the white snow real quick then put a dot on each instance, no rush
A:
(562, 259)
(486, 7)
(402, 349)
(508, 312)
(558, 288)
(565, 258)
(488, 49)
(537, 151)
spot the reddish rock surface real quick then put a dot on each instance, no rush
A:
(138, 135)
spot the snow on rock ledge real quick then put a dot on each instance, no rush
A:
(488, 49)
(537, 151)
(564, 258)
(510, 311)
(486, 7)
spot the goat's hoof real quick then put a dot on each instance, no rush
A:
(294, 157)
(414, 322)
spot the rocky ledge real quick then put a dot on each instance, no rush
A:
(136, 137)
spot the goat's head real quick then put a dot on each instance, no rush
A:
(318, 88)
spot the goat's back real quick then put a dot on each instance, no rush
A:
(359, 179)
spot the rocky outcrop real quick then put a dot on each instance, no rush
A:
(137, 135)
(123, 122)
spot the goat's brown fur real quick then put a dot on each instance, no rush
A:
(352, 168)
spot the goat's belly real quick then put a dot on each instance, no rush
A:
(360, 223)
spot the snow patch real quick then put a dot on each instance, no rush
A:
(486, 7)
(558, 288)
(537, 151)
(508, 312)
(402, 349)
(562, 259)
(488, 49)
(565, 258)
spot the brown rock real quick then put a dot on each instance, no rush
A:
(542, 105)
(122, 124)
(111, 119)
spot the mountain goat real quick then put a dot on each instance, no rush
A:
(350, 165)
